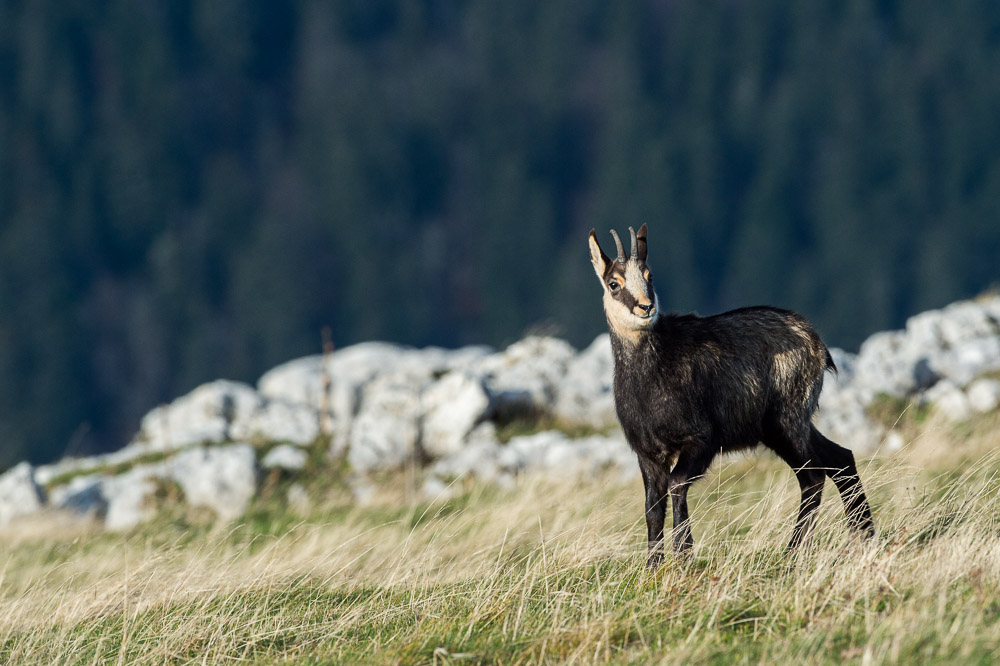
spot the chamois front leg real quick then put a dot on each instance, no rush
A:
(690, 466)
(656, 482)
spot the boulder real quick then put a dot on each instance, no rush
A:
(351, 370)
(279, 421)
(957, 343)
(222, 478)
(121, 501)
(128, 496)
(885, 364)
(585, 394)
(20, 494)
(385, 433)
(206, 414)
(964, 361)
(556, 454)
(955, 324)
(549, 453)
(984, 395)
(948, 400)
(452, 407)
(299, 382)
(285, 456)
(82, 496)
(477, 460)
(526, 376)
(843, 415)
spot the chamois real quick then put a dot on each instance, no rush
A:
(690, 387)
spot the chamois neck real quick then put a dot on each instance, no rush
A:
(630, 343)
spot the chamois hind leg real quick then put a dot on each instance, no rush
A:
(791, 448)
(838, 463)
(690, 466)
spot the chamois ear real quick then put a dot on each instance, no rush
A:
(597, 256)
(641, 241)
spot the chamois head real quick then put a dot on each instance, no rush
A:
(629, 300)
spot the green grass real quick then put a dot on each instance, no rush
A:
(519, 423)
(546, 572)
(110, 470)
(900, 413)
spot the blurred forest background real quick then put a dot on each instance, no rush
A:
(192, 189)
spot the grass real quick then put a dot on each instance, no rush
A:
(905, 414)
(518, 423)
(546, 572)
(109, 470)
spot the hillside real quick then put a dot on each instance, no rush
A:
(393, 505)
(546, 570)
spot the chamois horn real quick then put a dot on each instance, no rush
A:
(618, 244)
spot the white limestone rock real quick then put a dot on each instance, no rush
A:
(344, 375)
(948, 400)
(385, 433)
(285, 456)
(350, 371)
(20, 494)
(965, 360)
(984, 395)
(452, 407)
(82, 496)
(955, 324)
(957, 343)
(128, 496)
(556, 454)
(846, 364)
(885, 364)
(842, 415)
(478, 460)
(46, 473)
(586, 392)
(526, 375)
(206, 414)
(121, 501)
(435, 489)
(222, 478)
(299, 382)
(279, 421)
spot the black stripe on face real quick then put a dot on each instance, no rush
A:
(627, 299)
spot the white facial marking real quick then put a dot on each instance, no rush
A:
(636, 283)
(629, 324)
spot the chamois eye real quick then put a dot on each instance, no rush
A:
(613, 286)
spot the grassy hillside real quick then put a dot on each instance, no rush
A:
(544, 572)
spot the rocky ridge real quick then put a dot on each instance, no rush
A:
(453, 416)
